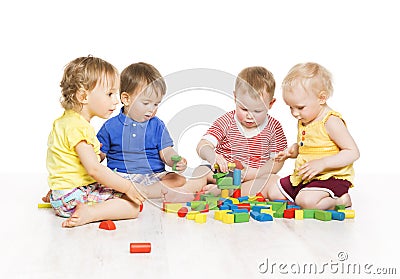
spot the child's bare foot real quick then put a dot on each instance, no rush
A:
(344, 200)
(80, 217)
(47, 197)
(176, 195)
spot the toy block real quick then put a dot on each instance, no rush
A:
(238, 164)
(289, 206)
(258, 208)
(210, 198)
(340, 207)
(183, 212)
(219, 175)
(205, 209)
(225, 181)
(277, 205)
(299, 214)
(44, 205)
(348, 213)
(175, 159)
(141, 207)
(234, 200)
(200, 218)
(244, 198)
(237, 177)
(241, 217)
(224, 207)
(244, 206)
(226, 201)
(254, 214)
(224, 193)
(228, 187)
(261, 217)
(228, 218)
(144, 247)
(239, 210)
(213, 205)
(237, 193)
(288, 213)
(107, 225)
(172, 207)
(231, 166)
(323, 215)
(191, 215)
(197, 195)
(308, 213)
(340, 216)
(267, 211)
(198, 205)
(220, 213)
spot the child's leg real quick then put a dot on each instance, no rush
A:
(266, 185)
(112, 209)
(47, 197)
(200, 177)
(173, 180)
(320, 200)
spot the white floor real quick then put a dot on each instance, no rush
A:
(33, 244)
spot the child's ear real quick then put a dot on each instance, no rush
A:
(322, 96)
(125, 98)
(81, 95)
(271, 103)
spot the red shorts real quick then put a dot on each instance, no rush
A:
(333, 186)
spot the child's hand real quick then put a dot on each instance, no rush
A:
(290, 152)
(221, 162)
(134, 195)
(311, 169)
(181, 165)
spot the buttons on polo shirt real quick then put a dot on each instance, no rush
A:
(134, 124)
(134, 135)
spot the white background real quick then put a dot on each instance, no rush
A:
(356, 40)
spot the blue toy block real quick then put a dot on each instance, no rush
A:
(289, 206)
(258, 208)
(244, 198)
(239, 210)
(237, 177)
(223, 207)
(340, 216)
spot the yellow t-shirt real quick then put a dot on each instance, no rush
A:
(315, 143)
(65, 169)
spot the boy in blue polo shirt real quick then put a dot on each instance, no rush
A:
(136, 143)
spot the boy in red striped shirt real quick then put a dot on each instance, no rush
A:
(247, 134)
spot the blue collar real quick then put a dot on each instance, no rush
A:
(125, 120)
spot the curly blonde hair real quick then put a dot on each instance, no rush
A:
(84, 73)
(258, 79)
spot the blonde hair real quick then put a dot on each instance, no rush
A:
(142, 77)
(258, 79)
(84, 73)
(311, 76)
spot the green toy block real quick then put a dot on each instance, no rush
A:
(219, 175)
(277, 205)
(225, 181)
(308, 213)
(323, 215)
(242, 217)
(340, 207)
(228, 187)
(198, 204)
(175, 159)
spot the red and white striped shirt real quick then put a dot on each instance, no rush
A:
(255, 151)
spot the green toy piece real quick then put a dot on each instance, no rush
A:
(175, 159)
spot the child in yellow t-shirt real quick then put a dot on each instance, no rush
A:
(325, 150)
(76, 177)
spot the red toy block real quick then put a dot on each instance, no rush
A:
(260, 197)
(289, 213)
(182, 212)
(207, 209)
(237, 193)
(140, 247)
(244, 206)
(107, 225)
(141, 207)
(198, 194)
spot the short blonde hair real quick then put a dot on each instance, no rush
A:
(258, 79)
(84, 73)
(311, 76)
(140, 76)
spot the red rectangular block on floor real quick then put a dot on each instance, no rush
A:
(140, 247)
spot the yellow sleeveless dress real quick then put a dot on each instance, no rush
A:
(315, 143)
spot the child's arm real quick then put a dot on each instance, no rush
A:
(206, 151)
(104, 175)
(166, 155)
(348, 153)
(291, 152)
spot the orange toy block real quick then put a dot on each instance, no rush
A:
(107, 225)
(140, 247)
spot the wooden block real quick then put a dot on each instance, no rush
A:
(349, 213)
(308, 213)
(225, 193)
(200, 218)
(228, 218)
(323, 215)
(191, 215)
(299, 214)
(220, 213)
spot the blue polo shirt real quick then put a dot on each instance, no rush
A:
(133, 147)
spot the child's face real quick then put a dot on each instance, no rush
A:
(252, 112)
(304, 106)
(143, 106)
(102, 101)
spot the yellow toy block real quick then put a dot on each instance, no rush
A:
(228, 218)
(200, 218)
(191, 215)
(172, 207)
(218, 215)
(268, 211)
(44, 205)
(224, 193)
(299, 214)
(348, 213)
(253, 198)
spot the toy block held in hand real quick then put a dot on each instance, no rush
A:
(175, 159)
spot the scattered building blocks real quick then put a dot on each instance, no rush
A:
(200, 218)
(220, 213)
(191, 215)
(308, 213)
(224, 193)
(241, 217)
(289, 213)
(237, 177)
(44, 205)
(340, 216)
(183, 212)
(322, 215)
(237, 193)
(172, 207)
(140, 247)
(340, 207)
(107, 225)
(299, 214)
(141, 207)
(349, 213)
(228, 218)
